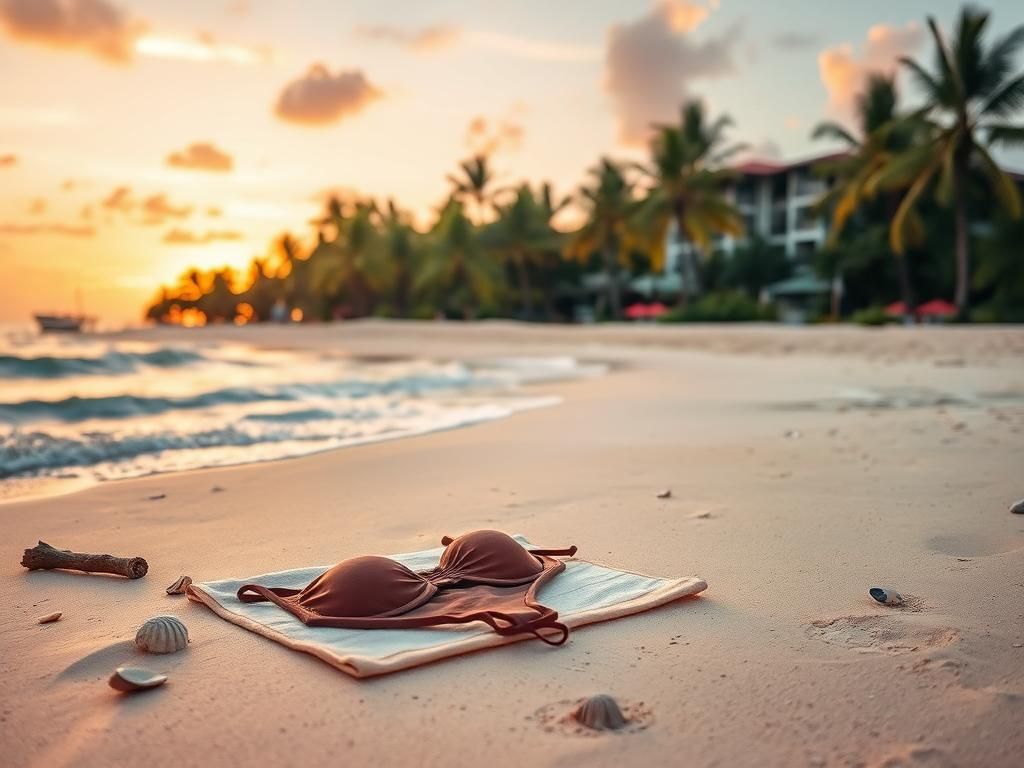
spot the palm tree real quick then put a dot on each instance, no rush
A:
(882, 137)
(610, 204)
(399, 250)
(475, 185)
(522, 235)
(346, 267)
(456, 264)
(970, 96)
(688, 188)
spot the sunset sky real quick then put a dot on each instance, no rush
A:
(138, 138)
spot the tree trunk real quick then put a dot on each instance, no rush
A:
(903, 268)
(963, 257)
(687, 263)
(525, 294)
(610, 268)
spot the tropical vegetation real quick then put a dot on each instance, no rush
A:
(917, 208)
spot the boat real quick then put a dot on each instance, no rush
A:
(67, 322)
(63, 323)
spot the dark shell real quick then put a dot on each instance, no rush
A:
(600, 713)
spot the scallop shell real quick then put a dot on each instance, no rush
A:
(600, 713)
(179, 587)
(886, 595)
(129, 679)
(162, 634)
(50, 617)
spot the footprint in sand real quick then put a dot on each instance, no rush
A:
(880, 634)
(913, 756)
(974, 544)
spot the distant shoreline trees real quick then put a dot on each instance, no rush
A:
(494, 252)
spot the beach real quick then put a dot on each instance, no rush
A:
(805, 466)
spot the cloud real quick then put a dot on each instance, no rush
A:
(8, 161)
(485, 137)
(119, 200)
(201, 157)
(178, 236)
(157, 208)
(204, 47)
(90, 26)
(70, 230)
(318, 97)
(422, 40)
(440, 37)
(213, 211)
(38, 206)
(651, 62)
(794, 41)
(844, 73)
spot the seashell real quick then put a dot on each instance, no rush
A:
(162, 634)
(50, 617)
(128, 679)
(180, 586)
(600, 713)
(666, 494)
(1018, 507)
(886, 595)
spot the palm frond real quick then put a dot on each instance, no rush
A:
(833, 130)
(1005, 189)
(1007, 135)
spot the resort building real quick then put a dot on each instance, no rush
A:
(777, 202)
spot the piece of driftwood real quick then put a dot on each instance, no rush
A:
(43, 556)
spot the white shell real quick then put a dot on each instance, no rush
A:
(128, 679)
(179, 587)
(600, 713)
(162, 634)
(1018, 507)
(886, 595)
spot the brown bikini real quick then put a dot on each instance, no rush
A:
(483, 576)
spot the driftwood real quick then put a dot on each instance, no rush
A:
(43, 556)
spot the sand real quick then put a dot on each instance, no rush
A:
(789, 501)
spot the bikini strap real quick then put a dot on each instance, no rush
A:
(264, 594)
(566, 552)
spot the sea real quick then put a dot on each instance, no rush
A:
(81, 409)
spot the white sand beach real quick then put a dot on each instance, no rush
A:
(805, 465)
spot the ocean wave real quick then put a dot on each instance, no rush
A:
(28, 453)
(110, 363)
(78, 408)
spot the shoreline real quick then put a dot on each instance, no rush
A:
(788, 514)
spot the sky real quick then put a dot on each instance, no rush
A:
(140, 138)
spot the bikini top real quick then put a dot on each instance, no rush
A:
(482, 576)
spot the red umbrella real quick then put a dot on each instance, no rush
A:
(656, 309)
(636, 311)
(936, 308)
(896, 309)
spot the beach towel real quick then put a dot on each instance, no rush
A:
(584, 593)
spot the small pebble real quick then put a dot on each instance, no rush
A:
(667, 494)
(157, 496)
(50, 617)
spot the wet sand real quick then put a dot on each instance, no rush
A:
(805, 466)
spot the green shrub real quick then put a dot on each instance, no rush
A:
(722, 307)
(873, 315)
